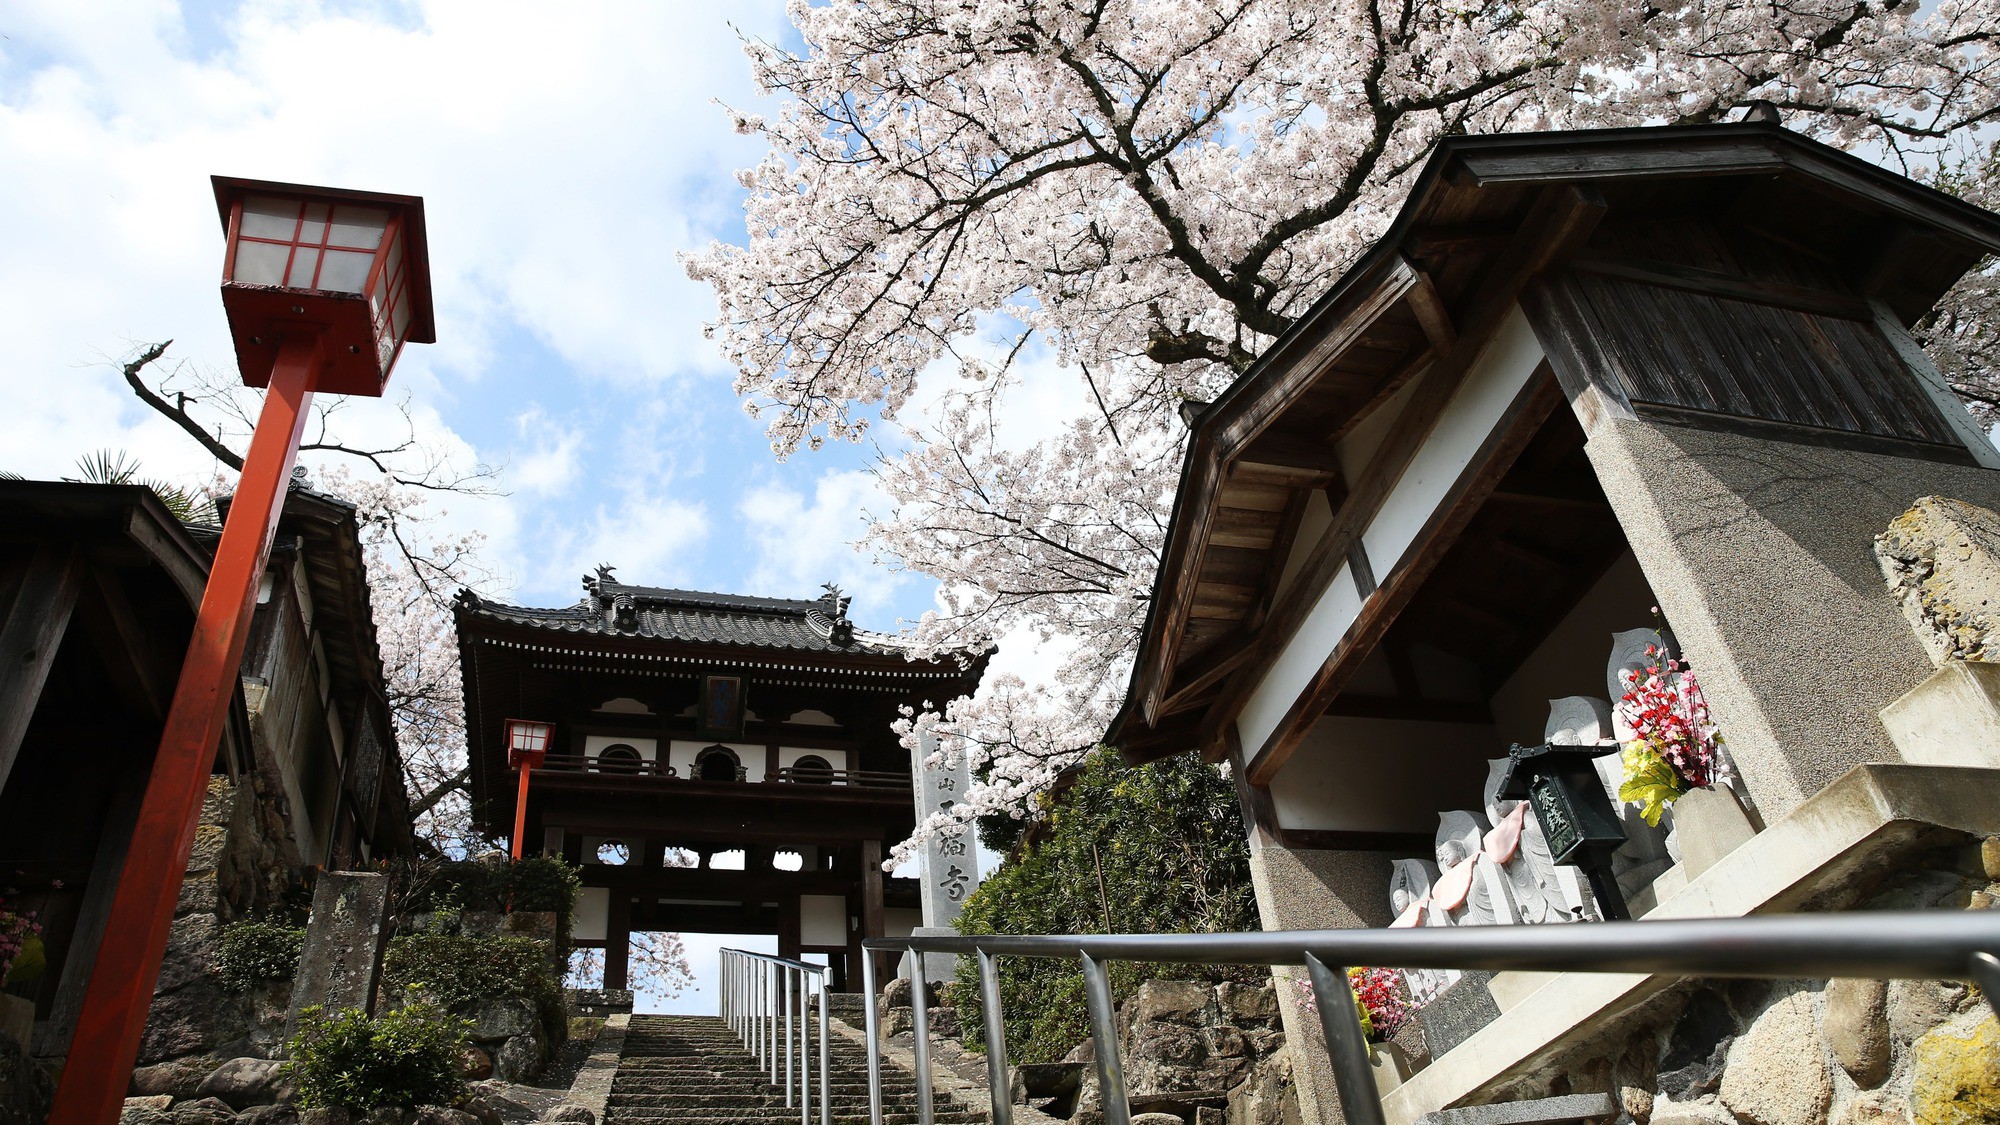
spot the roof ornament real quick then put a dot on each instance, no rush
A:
(593, 583)
(836, 602)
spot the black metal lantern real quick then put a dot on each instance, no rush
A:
(1562, 786)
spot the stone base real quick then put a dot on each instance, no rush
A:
(1951, 719)
(938, 967)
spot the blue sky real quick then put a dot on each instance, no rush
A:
(566, 154)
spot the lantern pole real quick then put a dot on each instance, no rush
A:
(120, 994)
(521, 807)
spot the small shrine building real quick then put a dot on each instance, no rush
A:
(718, 763)
(1588, 385)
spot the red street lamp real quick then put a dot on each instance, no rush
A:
(527, 747)
(323, 288)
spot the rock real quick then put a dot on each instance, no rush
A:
(1857, 1028)
(443, 1115)
(943, 1021)
(1696, 1049)
(474, 1064)
(897, 993)
(207, 1111)
(1247, 1006)
(152, 1101)
(1989, 857)
(388, 1115)
(1777, 1072)
(130, 1115)
(325, 1116)
(1155, 1119)
(498, 1103)
(26, 1090)
(1873, 1109)
(1955, 1072)
(1917, 1006)
(483, 1112)
(191, 946)
(897, 1021)
(1084, 1052)
(1266, 1096)
(191, 1020)
(519, 1058)
(247, 1082)
(1637, 1101)
(1168, 1001)
(570, 1115)
(1942, 562)
(268, 1115)
(1225, 1042)
(503, 1019)
(1209, 1115)
(180, 1078)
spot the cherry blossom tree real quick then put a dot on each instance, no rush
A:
(1147, 192)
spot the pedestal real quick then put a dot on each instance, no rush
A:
(1952, 718)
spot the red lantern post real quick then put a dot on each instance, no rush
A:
(527, 748)
(323, 288)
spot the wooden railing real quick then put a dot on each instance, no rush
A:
(789, 775)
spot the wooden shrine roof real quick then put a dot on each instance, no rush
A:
(1485, 218)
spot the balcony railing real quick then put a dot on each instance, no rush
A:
(789, 775)
(1884, 945)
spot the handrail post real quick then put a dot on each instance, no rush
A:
(787, 974)
(872, 1027)
(1104, 1043)
(777, 1015)
(825, 1027)
(1986, 973)
(1346, 1046)
(997, 1085)
(921, 1026)
(805, 1048)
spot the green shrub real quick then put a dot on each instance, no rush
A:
(535, 883)
(458, 972)
(1157, 849)
(254, 953)
(403, 1059)
(544, 882)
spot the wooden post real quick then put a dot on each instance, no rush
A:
(871, 889)
(29, 638)
(96, 910)
(789, 943)
(618, 940)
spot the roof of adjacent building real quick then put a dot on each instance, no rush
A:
(612, 608)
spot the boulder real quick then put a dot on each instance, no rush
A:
(943, 1021)
(1169, 1001)
(1857, 1028)
(247, 1082)
(443, 1115)
(570, 1114)
(180, 1078)
(519, 1058)
(1266, 1096)
(1155, 1119)
(151, 1101)
(1697, 1047)
(1777, 1072)
(497, 1103)
(503, 1019)
(206, 1111)
(474, 1064)
(26, 1090)
(1873, 1109)
(388, 1115)
(268, 1115)
(897, 1021)
(897, 993)
(1917, 1006)
(191, 948)
(1246, 1005)
(191, 1020)
(323, 1115)
(1955, 1072)
(137, 1111)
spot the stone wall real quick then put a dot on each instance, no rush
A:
(1844, 1052)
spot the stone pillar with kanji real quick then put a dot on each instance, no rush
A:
(948, 865)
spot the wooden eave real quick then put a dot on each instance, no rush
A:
(1251, 454)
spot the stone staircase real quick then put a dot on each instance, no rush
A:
(692, 1070)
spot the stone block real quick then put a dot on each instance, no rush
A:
(247, 1082)
(1955, 1072)
(1941, 559)
(1169, 1001)
(503, 1019)
(1709, 824)
(1697, 1048)
(206, 1111)
(1247, 1005)
(519, 1058)
(1857, 1028)
(1777, 1072)
(1455, 1014)
(1952, 718)
(343, 950)
(1566, 1108)
(178, 1079)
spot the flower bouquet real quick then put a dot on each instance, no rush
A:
(1674, 746)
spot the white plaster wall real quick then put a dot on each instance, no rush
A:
(681, 755)
(1312, 524)
(822, 920)
(789, 756)
(1301, 659)
(1382, 775)
(1497, 376)
(1571, 661)
(1358, 447)
(592, 920)
(898, 921)
(594, 744)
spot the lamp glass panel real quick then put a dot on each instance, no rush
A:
(359, 227)
(400, 323)
(260, 263)
(266, 216)
(303, 262)
(345, 271)
(312, 231)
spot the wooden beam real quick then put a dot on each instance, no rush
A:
(1260, 813)
(1207, 670)
(1431, 313)
(1287, 461)
(29, 638)
(130, 658)
(617, 940)
(1726, 286)
(1496, 455)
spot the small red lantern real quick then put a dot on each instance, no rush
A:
(350, 267)
(528, 743)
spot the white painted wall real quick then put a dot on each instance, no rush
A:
(1312, 524)
(592, 920)
(1497, 376)
(594, 744)
(681, 755)
(822, 920)
(1382, 775)
(898, 921)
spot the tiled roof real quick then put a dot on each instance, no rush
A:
(611, 608)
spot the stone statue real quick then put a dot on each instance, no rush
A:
(1578, 720)
(1649, 850)
(1410, 883)
(1470, 888)
(1628, 654)
(1520, 851)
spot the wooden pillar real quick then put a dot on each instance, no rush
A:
(871, 897)
(618, 940)
(44, 594)
(789, 943)
(96, 909)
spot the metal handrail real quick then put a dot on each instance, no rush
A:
(1884, 945)
(763, 999)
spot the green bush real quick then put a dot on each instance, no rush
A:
(458, 971)
(537, 883)
(254, 953)
(1158, 849)
(402, 1059)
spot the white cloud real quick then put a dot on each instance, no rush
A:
(547, 462)
(802, 542)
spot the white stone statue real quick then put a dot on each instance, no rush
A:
(1628, 654)
(1410, 883)
(1648, 850)
(1578, 720)
(1470, 887)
